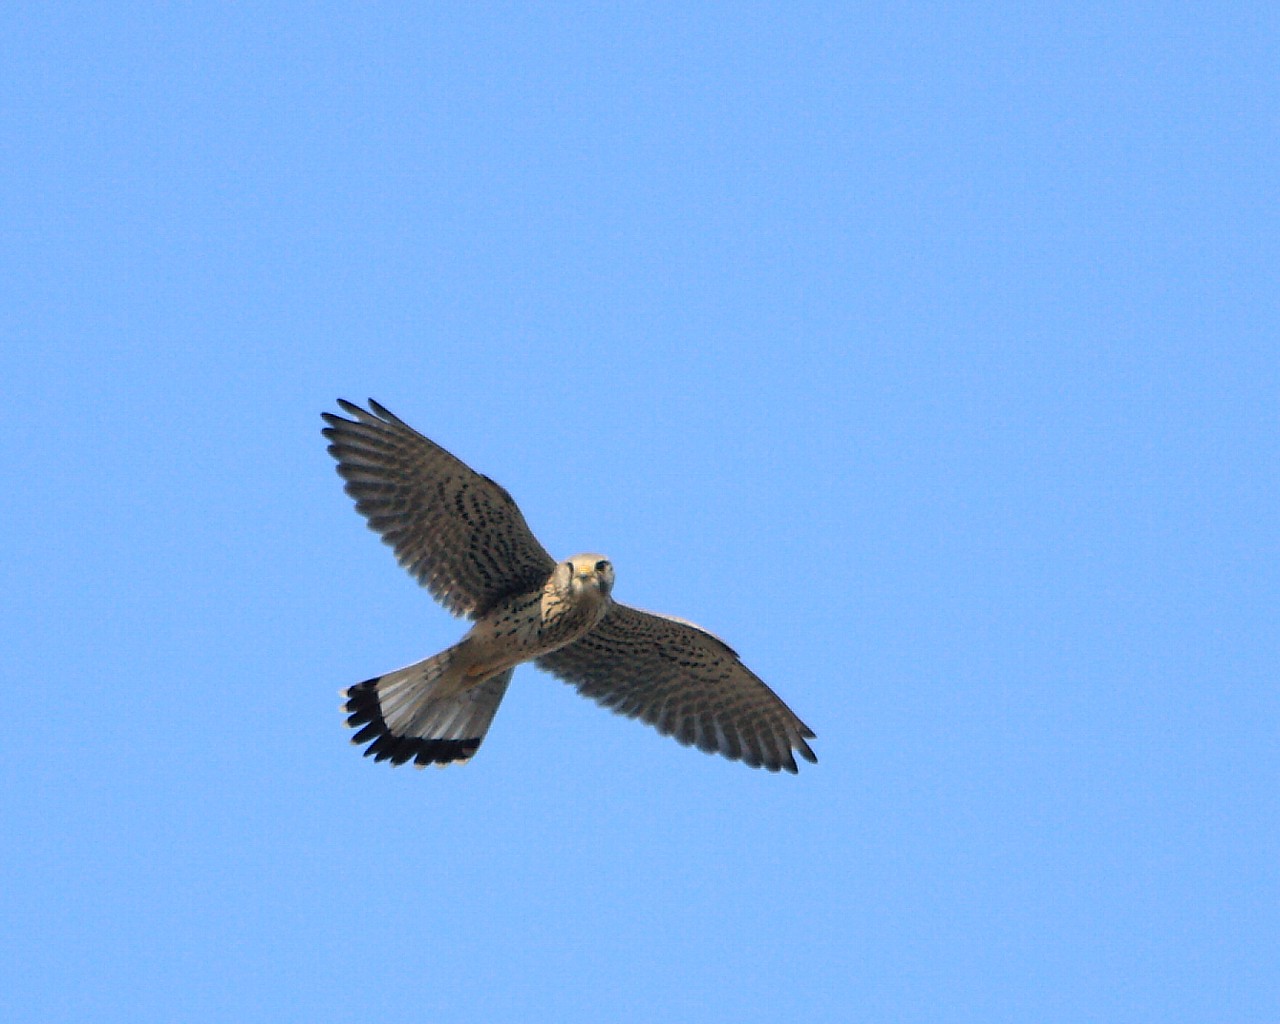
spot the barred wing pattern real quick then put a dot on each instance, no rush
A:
(458, 532)
(684, 682)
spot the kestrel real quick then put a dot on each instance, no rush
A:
(462, 536)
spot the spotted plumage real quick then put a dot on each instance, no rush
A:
(462, 536)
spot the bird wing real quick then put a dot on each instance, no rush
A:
(458, 532)
(684, 682)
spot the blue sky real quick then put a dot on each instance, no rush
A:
(928, 354)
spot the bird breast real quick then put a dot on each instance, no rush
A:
(569, 608)
(529, 625)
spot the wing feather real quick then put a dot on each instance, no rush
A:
(458, 532)
(686, 683)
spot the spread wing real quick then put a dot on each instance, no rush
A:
(454, 529)
(684, 682)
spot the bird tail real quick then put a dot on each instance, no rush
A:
(419, 714)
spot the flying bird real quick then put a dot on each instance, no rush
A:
(463, 537)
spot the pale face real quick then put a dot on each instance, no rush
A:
(588, 572)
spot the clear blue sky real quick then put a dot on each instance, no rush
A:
(929, 354)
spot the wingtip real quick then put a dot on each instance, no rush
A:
(374, 413)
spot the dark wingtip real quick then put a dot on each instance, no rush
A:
(374, 414)
(336, 423)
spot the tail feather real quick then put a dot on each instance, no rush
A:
(404, 718)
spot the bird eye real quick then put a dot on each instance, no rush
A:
(601, 565)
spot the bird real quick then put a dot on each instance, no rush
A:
(462, 536)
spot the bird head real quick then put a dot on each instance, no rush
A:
(587, 573)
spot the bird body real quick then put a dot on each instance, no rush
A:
(526, 626)
(464, 538)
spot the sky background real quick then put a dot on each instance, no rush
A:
(929, 354)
